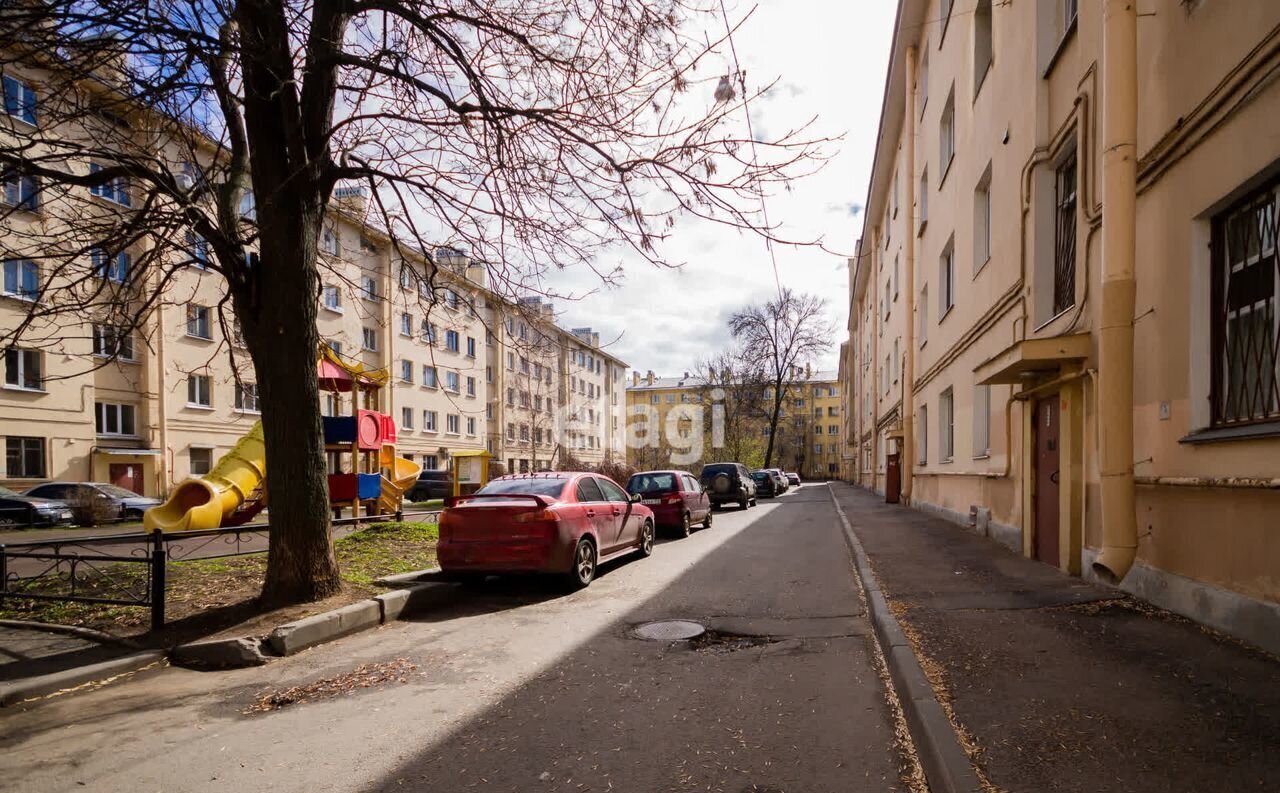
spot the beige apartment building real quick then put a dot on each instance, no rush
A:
(180, 390)
(1063, 323)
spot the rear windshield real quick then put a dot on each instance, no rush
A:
(760, 476)
(719, 468)
(529, 487)
(651, 483)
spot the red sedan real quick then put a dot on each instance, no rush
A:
(562, 523)
(676, 498)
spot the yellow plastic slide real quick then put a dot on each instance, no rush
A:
(203, 502)
(403, 474)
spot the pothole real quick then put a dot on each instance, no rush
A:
(669, 630)
(722, 642)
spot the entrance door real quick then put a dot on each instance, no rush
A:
(892, 479)
(1046, 495)
(126, 475)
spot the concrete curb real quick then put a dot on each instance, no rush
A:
(407, 579)
(946, 765)
(69, 630)
(32, 687)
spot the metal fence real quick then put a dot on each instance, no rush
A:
(129, 569)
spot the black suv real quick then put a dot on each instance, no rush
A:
(430, 484)
(728, 483)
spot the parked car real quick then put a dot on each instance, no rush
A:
(19, 510)
(766, 484)
(781, 478)
(675, 497)
(119, 503)
(793, 478)
(431, 484)
(728, 483)
(561, 523)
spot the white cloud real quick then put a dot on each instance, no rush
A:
(829, 60)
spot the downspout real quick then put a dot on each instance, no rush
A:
(1115, 343)
(165, 474)
(909, 235)
(876, 321)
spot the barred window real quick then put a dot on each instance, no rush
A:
(1064, 258)
(1245, 333)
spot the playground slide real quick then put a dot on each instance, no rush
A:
(403, 474)
(204, 502)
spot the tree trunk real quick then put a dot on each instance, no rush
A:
(773, 423)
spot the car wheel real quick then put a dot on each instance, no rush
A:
(706, 522)
(646, 539)
(686, 524)
(583, 569)
(743, 504)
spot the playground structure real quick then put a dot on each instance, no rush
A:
(360, 447)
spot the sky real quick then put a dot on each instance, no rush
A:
(829, 59)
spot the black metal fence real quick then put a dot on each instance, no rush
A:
(129, 569)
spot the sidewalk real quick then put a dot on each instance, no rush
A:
(1059, 685)
(37, 661)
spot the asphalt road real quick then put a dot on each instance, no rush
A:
(519, 687)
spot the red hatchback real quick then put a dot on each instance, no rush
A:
(676, 498)
(564, 523)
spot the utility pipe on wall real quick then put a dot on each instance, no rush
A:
(908, 455)
(1115, 343)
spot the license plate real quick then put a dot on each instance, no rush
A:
(64, 515)
(651, 501)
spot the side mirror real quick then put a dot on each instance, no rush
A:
(635, 498)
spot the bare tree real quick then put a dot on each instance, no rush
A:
(782, 336)
(732, 389)
(536, 134)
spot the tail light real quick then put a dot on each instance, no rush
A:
(671, 498)
(539, 516)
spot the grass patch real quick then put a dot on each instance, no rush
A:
(431, 503)
(201, 586)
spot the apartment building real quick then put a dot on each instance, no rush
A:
(678, 415)
(1062, 319)
(556, 394)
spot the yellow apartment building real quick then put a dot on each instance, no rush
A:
(1063, 307)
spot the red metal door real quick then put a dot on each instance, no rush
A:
(126, 475)
(1046, 479)
(892, 479)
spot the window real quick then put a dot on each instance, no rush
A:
(896, 270)
(947, 279)
(429, 421)
(833, 411)
(922, 83)
(336, 346)
(19, 191)
(1064, 249)
(368, 287)
(451, 381)
(109, 340)
(198, 323)
(488, 374)
(511, 362)
(471, 386)
(201, 460)
(947, 135)
(113, 419)
(471, 425)
(511, 432)
(471, 347)
(981, 420)
(114, 268)
(923, 199)
(817, 448)
(198, 390)
(24, 458)
(369, 339)
(406, 324)
(115, 190)
(367, 245)
(524, 432)
(198, 250)
(406, 418)
(329, 241)
(895, 193)
(982, 46)
(922, 437)
(922, 316)
(897, 360)
(817, 412)
(1070, 8)
(247, 397)
(429, 332)
(248, 207)
(511, 397)
(21, 279)
(332, 298)
(524, 365)
(654, 399)
(406, 371)
(451, 423)
(1244, 295)
(832, 429)
(429, 378)
(451, 299)
(406, 276)
(19, 100)
(817, 429)
(982, 220)
(451, 340)
(946, 425)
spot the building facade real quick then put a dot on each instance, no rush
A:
(1063, 307)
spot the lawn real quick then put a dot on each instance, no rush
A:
(205, 596)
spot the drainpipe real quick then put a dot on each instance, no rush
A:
(1115, 344)
(876, 321)
(909, 236)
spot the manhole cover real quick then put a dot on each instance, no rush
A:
(670, 630)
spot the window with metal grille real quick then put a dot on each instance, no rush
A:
(1246, 323)
(1064, 250)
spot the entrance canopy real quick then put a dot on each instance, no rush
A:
(1032, 358)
